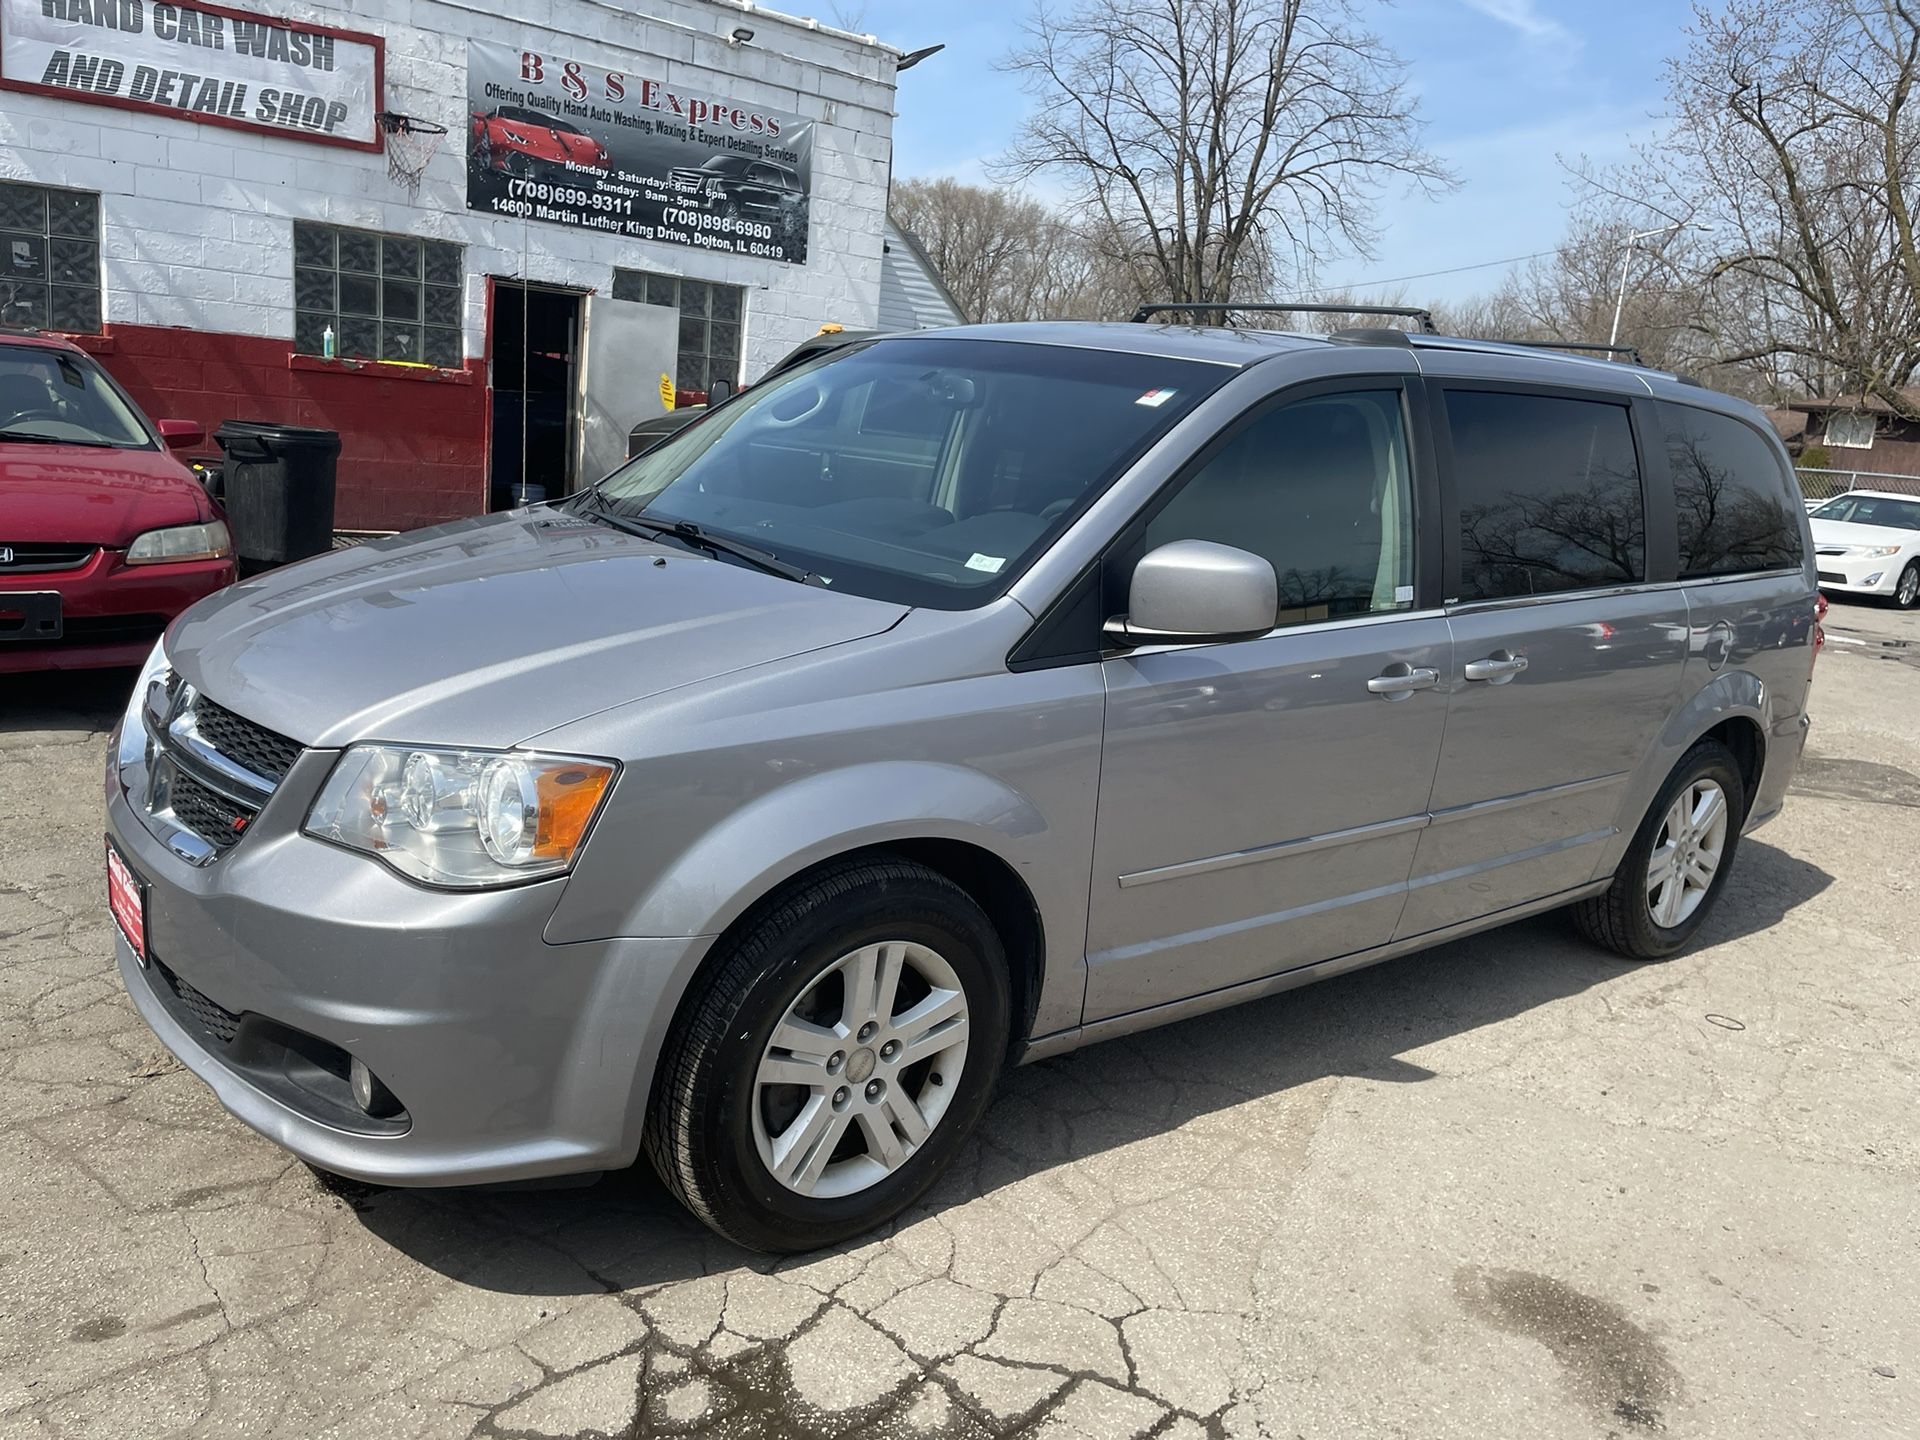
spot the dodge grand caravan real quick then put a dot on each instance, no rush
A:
(955, 697)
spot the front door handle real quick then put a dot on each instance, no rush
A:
(1498, 668)
(1400, 680)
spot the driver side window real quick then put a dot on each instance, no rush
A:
(1321, 489)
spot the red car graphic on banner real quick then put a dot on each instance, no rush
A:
(518, 142)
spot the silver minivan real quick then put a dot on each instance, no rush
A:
(953, 699)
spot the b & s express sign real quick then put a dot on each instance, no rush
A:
(557, 140)
(209, 63)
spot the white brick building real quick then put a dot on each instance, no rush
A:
(194, 296)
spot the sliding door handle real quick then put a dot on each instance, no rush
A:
(1497, 668)
(1399, 681)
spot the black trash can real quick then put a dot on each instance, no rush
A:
(279, 483)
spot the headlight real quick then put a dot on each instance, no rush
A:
(133, 725)
(466, 818)
(1871, 552)
(181, 542)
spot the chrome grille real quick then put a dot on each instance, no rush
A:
(209, 770)
(33, 557)
(212, 816)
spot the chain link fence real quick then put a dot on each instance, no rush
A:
(1820, 484)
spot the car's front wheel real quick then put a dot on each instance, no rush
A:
(1906, 594)
(834, 1058)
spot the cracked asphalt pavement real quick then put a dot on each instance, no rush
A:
(1508, 1187)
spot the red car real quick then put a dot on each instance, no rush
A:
(521, 143)
(104, 536)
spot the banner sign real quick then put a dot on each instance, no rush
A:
(557, 140)
(208, 63)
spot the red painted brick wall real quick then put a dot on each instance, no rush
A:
(413, 448)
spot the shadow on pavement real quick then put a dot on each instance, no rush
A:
(63, 700)
(625, 1232)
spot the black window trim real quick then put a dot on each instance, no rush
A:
(1061, 636)
(1661, 560)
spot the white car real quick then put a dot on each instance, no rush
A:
(1867, 542)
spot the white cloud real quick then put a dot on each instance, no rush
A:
(1525, 17)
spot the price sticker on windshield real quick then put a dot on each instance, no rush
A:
(1154, 399)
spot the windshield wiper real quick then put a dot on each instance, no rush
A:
(29, 437)
(706, 540)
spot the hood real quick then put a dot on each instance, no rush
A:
(576, 146)
(487, 631)
(93, 495)
(1846, 532)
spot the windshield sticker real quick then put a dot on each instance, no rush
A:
(1155, 398)
(1403, 594)
(989, 563)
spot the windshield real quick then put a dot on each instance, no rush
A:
(51, 395)
(1881, 510)
(921, 471)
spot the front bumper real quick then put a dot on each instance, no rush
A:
(1859, 575)
(513, 1058)
(113, 611)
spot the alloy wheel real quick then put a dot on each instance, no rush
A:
(861, 1069)
(1687, 853)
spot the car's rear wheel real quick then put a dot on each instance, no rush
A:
(1677, 862)
(834, 1059)
(1906, 594)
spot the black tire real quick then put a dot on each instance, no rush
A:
(700, 1122)
(1906, 593)
(1619, 920)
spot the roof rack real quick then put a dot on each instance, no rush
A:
(1584, 346)
(1405, 312)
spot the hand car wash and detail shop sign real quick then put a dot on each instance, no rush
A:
(209, 63)
(557, 140)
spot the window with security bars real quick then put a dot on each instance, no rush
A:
(385, 297)
(710, 323)
(49, 258)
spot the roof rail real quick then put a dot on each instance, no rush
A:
(1405, 312)
(1585, 346)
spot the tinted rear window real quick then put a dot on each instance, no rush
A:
(1737, 511)
(1549, 492)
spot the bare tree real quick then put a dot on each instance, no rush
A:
(1008, 257)
(1570, 295)
(1223, 144)
(1795, 133)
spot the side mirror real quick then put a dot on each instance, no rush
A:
(179, 434)
(1194, 592)
(718, 392)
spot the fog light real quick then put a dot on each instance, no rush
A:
(1874, 578)
(368, 1093)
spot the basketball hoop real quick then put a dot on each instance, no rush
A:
(411, 144)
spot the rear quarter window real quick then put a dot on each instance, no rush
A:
(1737, 510)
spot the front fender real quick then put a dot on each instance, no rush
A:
(772, 838)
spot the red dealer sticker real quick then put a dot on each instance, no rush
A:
(127, 899)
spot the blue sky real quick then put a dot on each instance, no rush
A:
(1505, 86)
